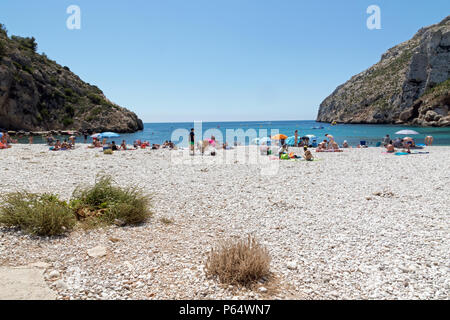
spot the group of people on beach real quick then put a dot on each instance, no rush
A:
(57, 145)
(406, 144)
(4, 141)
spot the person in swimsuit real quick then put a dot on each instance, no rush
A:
(345, 144)
(307, 154)
(429, 141)
(390, 148)
(192, 141)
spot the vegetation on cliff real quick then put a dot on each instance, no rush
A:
(408, 86)
(37, 94)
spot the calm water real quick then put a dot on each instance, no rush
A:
(160, 132)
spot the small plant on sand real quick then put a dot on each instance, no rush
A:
(241, 262)
(111, 204)
(166, 221)
(42, 215)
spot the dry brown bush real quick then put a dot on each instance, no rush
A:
(241, 262)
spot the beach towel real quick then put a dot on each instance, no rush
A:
(330, 151)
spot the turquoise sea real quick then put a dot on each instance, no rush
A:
(353, 133)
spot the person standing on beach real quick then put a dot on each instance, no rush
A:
(387, 140)
(296, 139)
(192, 141)
(330, 141)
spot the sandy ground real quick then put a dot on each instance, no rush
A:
(354, 225)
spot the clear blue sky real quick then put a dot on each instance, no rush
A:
(218, 60)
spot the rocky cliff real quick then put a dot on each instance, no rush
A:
(410, 85)
(37, 94)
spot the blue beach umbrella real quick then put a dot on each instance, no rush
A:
(291, 141)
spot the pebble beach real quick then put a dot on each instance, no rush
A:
(353, 225)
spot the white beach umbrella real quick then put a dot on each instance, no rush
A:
(407, 132)
(256, 141)
(265, 140)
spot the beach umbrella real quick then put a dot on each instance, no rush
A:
(407, 132)
(291, 141)
(1, 134)
(265, 140)
(109, 135)
(256, 141)
(95, 135)
(279, 137)
(311, 136)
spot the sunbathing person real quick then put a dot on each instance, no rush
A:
(407, 146)
(72, 140)
(50, 140)
(307, 154)
(345, 144)
(264, 150)
(330, 140)
(283, 150)
(57, 145)
(390, 148)
(65, 145)
(114, 146)
(429, 141)
(123, 145)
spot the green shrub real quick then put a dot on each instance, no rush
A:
(3, 29)
(68, 92)
(27, 43)
(44, 113)
(70, 110)
(43, 215)
(28, 69)
(111, 203)
(67, 121)
(2, 49)
(96, 99)
(96, 111)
